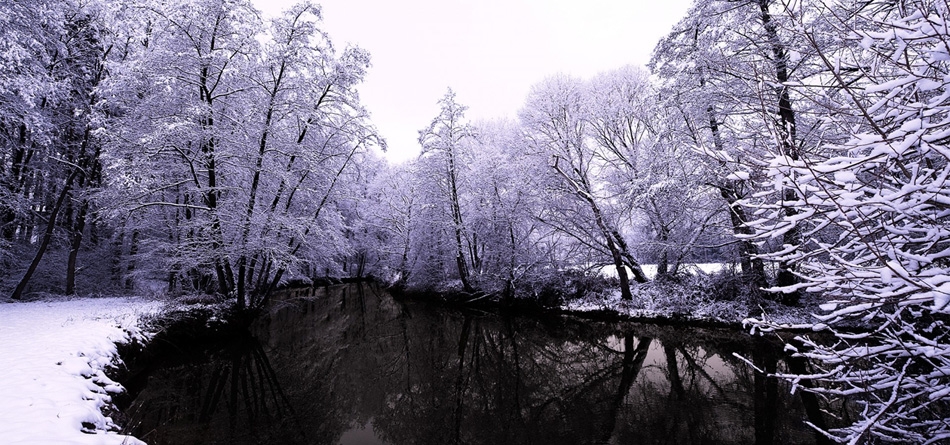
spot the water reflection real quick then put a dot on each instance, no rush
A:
(348, 364)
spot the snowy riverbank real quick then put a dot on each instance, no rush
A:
(705, 293)
(52, 378)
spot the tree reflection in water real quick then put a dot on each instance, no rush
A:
(349, 363)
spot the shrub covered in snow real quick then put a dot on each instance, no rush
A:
(873, 213)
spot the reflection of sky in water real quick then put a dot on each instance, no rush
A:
(655, 366)
(361, 435)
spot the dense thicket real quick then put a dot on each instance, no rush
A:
(828, 120)
(192, 146)
(210, 150)
(870, 205)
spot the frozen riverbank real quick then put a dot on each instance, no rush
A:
(52, 380)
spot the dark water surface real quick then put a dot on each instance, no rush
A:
(348, 364)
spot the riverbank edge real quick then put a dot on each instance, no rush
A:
(528, 307)
(178, 329)
(103, 363)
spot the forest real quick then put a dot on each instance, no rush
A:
(195, 147)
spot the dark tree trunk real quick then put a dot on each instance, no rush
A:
(8, 219)
(752, 267)
(798, 366)
(115, 248)
(628, 259)
(630, 367)
(787, 132)
(672, 368)
(615, 243)
(663, 264)
(133, 250)
(457, 220)
(241, 288)
(47, 237)
(88, 174)
(360, 265)
(252, 196)
(79, 226)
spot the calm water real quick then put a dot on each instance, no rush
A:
(348, 364)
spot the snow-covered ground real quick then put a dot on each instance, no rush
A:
(682, 302)
(692, 301)
(52, 385)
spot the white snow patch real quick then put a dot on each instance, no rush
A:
(886, 275)
(941, 298)
(738, 176)
(650, 269)
(52, 378)
(845, 176)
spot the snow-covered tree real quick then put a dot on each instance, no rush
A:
(441, 162)
(237, 138)
(391, 202)
(659, 183)
(691, 66)
(507, 196)
(29, 44)
(738, 73)
(555, 121)
(175, 139)
(54, 62)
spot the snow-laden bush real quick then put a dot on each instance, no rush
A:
(873, 218)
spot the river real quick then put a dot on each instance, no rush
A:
(349, 364)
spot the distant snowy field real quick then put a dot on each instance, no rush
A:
(52, 385)
(650, 269)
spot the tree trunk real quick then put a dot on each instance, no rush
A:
(630, 367)
(457, 220)
(15, 185)
(765, 398)
(751, 266)
(615, 255)
(628, 259)
(255, 184)
(115, 250)
(404, 271)
(47, 237)
(663, 264)
(611, 237)
(787, 133)
(360, 265)
(133, 250)
(798, 365)
(460, 379)
(241, 287)
(79, 225)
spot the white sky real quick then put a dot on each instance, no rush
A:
(490, 52)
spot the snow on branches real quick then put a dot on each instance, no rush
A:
(873, 217)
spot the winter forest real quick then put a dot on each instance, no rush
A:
(192, 146)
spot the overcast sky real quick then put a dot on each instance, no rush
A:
(490, 52)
